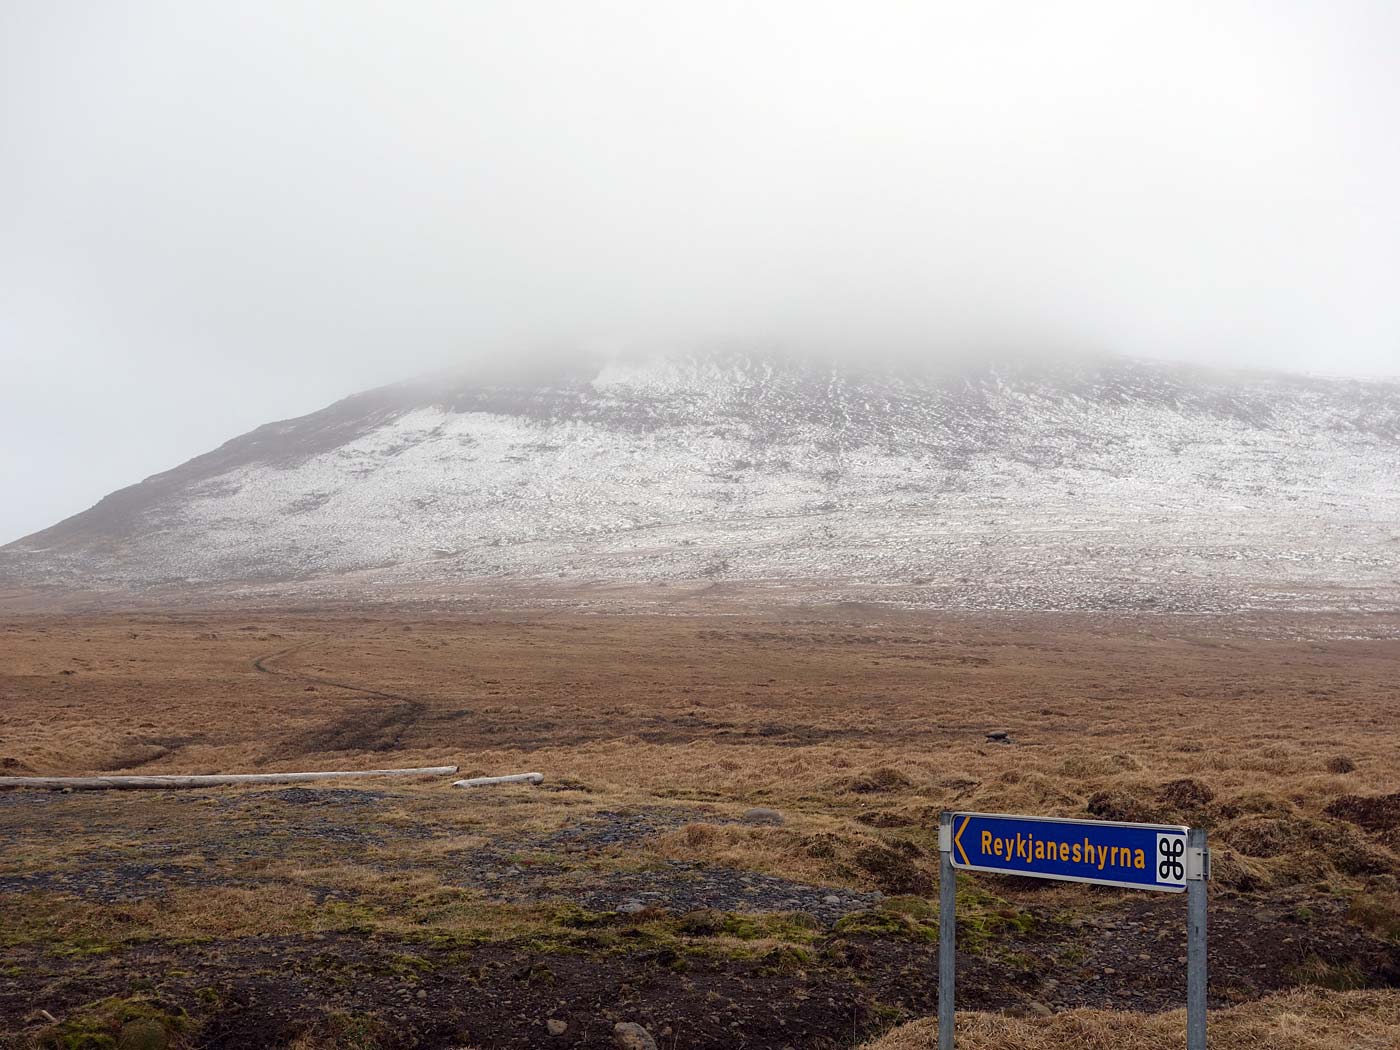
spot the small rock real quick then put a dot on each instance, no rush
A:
(631, 1036)
(762, 815)
(831, 898)
(630, 907)
(556, 1027)
(1000, 736)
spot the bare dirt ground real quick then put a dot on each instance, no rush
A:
(636, 885)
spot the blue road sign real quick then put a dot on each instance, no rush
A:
(1138, 856)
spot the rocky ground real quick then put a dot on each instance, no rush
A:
(590, 930)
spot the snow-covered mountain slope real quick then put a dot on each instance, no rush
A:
(1101, 484)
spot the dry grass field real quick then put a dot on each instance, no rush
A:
(636, 885)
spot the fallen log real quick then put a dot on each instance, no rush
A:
(514, 778)
(208, 780)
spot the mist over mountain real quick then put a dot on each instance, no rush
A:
(1083, 483)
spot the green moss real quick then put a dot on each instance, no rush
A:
(118, 1024)
(143, 1035)
(978, 929)
(787, 958)
(983, 917)
(741, 927)
(879, 923)
(77, 1034)
(82, 946)
(794, 927)
(452, 943)
(405, 965)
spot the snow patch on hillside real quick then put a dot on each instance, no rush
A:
(1085, 490)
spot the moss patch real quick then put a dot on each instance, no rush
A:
(120, 1024)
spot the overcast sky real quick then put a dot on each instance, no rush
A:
(214, 214)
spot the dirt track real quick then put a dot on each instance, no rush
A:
(379, 730)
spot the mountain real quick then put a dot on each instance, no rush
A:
(1083, 484)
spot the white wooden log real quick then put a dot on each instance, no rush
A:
(209, 780)
(514, 778)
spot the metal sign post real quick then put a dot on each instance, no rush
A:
(1198, 871)
(1164, 857)
(947, 931)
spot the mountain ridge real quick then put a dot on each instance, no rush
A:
(1087, 483)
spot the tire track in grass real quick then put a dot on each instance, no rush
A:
(383, 731)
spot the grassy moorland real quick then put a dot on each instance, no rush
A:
(638, 884)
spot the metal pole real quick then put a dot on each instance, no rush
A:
(1196, 877)
(947, 931)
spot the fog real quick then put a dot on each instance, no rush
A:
(215, 214)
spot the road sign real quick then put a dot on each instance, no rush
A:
(1107, 853)
(1138, 856)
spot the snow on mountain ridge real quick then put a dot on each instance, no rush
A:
(1085, 485)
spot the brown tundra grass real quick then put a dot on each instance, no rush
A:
(859, 724)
